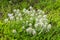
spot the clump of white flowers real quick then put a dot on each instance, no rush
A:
(36, 21)
(31, 30)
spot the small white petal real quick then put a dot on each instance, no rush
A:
(39, 16)
(30, 7)
(49, 26)
(11, 18)
(19, 14)
(27, 21)
(34, 32)
(14, 10)
(24, 10)
(14, 31)
(10, 14)
(17, 11)
(30, 24)
(29, 30)
(44, 16)
(36, 25)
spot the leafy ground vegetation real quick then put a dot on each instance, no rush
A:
(29, 19)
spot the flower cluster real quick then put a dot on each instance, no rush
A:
(31, 30)
(34, 20)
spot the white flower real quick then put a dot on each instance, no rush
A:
(36, 25)
(38, 10)
(30, 24)
(19, 14)
(14, 31)
(39, 16)
(14, 10)
(6, 20)
(41, 11)
(44, 26)
(41, 23)
(24, 10)
(27, 11)
(10, 14)
(33, 11)
(27, 22)
(32, 14)
(46, 23)
(40, 20)
(34, 32)
(17, 11)
(45, 19)
(49, 26)
(11, 18)
(44, 16)
(36, 19)
(30, 8)
(29, 30)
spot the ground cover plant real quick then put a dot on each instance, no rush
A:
(29, 20)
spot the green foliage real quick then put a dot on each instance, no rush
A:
(51, 8)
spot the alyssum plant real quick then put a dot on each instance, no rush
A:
(32, 21)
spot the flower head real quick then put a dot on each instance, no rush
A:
(30, 8)
(31, 30)
(11, 18)
(14, 10)
(10, 14)
(14, 31)
(34, 32)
